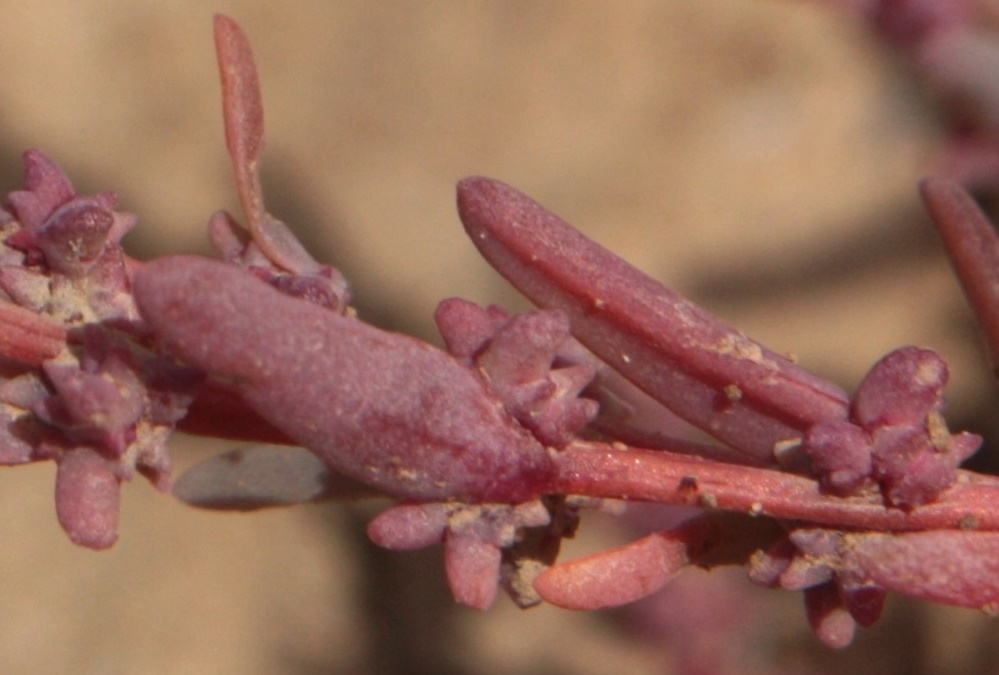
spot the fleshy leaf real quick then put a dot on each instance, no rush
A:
(828, 617)
(389, 410)
(703, 370)
(473, 569)
(948, 566)
(407, 527)
(46, 188)
(901, 389)
(616, 576)
(243, 113)
(87, 498)
(973, 248)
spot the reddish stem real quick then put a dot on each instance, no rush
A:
(621, 472)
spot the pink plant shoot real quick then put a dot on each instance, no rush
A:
(496, 445)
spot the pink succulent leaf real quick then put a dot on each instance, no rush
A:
(410, 526)
(73, 238)
(438, 432)
(841, 455)
(46, 188)
(973, 248)
(516, 355)
(896, 435)
(257, 477)
(621, 575)
(243, 114)
(473, 569)
(830, 620)
(87, 497)
(947, 566)
(242, 111)
(900, 389)
(706, 372)
(466, 327)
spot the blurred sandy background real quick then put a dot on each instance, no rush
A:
(759, 155)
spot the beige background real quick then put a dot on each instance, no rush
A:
(760, 155)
